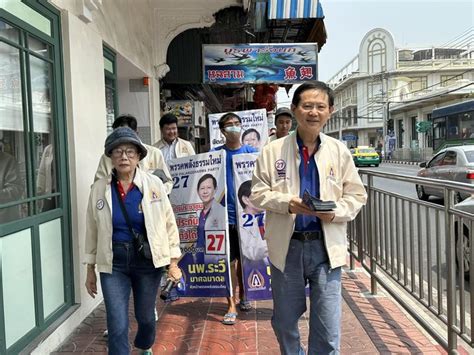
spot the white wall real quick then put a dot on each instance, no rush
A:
(127, 27)
(134, 103)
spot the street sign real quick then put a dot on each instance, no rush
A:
(423, 126)
(349, 137)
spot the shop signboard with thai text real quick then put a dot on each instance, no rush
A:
(285, 63)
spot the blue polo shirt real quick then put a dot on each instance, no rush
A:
(231, 210)
(132, 201)
(309, 179)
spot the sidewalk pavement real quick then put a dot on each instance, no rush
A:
(370, 325)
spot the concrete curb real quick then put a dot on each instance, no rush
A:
(401, 162)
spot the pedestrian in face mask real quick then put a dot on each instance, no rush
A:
(230, 125)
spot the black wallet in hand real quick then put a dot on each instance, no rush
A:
(316, 204)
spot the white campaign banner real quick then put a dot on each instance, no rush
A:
(198, 200)
(254, 128)
(251, 222)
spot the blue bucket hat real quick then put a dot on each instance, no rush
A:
(123, 135)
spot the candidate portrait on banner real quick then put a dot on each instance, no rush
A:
(198, 199)
(254, 128)
(210, 217)
(251, 223)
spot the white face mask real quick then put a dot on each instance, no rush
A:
(233, 129)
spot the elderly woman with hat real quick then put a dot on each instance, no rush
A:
(131, 237)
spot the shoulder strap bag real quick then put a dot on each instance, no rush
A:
(140, 241)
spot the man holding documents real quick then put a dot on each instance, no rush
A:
(307, 246)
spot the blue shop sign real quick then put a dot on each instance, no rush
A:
(349, 137)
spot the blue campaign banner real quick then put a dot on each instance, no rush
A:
(253, 247)
(198, 200)
(286, 63)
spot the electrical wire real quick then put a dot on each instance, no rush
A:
(371, 104)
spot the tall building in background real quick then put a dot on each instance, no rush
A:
(388, 94)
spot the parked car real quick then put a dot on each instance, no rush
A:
(365, 156)
(453, 164)
(467, 206)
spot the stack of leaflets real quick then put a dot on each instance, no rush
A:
(316, 204)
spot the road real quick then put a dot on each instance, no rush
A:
(411, 239)
(402, 188)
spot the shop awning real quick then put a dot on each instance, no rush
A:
(461, 107)
(294, 9)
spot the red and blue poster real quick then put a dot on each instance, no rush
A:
(282, 63)
(198, 200)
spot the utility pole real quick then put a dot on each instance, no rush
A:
(385, 117)
(386, 113)
(340, 128)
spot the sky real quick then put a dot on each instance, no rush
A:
(413, 23)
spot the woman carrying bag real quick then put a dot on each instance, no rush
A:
(131, 236)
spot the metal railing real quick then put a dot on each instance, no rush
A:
(409, 247)
(412, 154)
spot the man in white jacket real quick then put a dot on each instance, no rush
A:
(170, 144)
(172, 147)
(306, 246)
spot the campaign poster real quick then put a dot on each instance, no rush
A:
(254, 128)
(251, 221)
(198, 200)
(285, 63)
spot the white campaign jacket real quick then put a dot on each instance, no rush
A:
(272, 138)
(276, 181)
(154, 160)
(183, 147)
(160, 222)
(215, 220)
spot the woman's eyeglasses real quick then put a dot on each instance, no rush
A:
(130, 153)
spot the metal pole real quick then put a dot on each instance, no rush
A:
(386, 118)
(372, 235)
(451, 274)
(340, 128)
(351, 244)
(385, 115)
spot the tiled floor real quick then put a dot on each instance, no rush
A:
(193, 326)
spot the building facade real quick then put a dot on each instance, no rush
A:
(384, 91)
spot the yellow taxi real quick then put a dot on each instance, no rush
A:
(365, 156)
